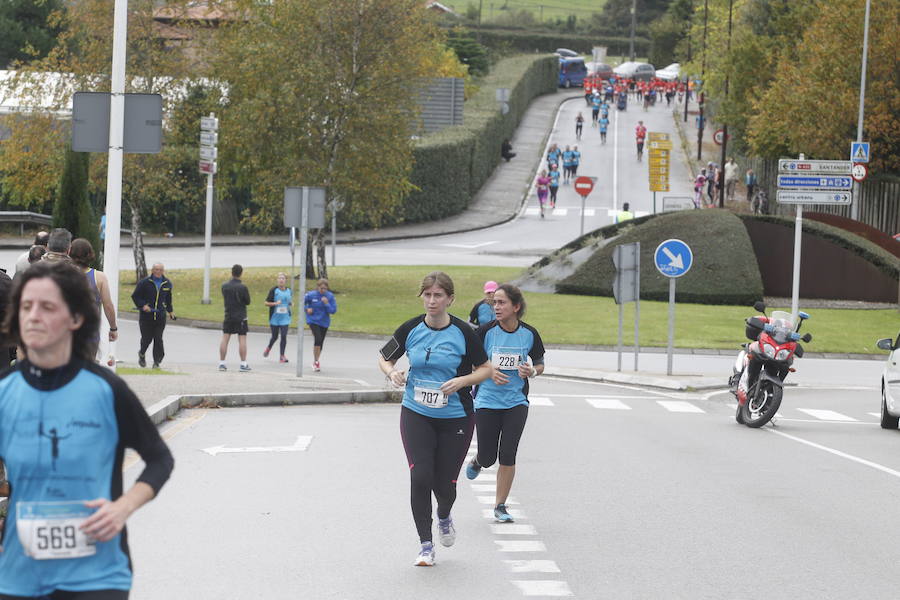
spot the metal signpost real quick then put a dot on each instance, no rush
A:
(802, 182)
(584, 185)
(304, 207)
(660, 150)
(627, 288)
(209, 138)
(673, 258)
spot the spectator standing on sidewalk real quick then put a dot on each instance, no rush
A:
(237, 299)
(319, 304)
(40, 240)
(279, 301)
(153, 297)
(82, 254)
(750, 182)
(731, 178)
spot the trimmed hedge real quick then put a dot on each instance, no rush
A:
(724, 269)
(538, 41)
(451, 165)
(886, 262)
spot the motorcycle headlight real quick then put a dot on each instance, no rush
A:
(782, 355)
(769, 350)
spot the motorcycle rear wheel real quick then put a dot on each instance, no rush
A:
(760, 408)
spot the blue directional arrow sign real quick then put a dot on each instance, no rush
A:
(822, 182)
(673, 258)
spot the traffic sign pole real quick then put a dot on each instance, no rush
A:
(671, 345)
(208, 125)
(673, 259)
(798, 238)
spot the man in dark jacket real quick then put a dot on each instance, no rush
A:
(237, 298)
(153, 297)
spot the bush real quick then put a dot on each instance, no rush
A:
(451, 165)
(724, 270)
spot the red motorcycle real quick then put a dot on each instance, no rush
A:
(758, 375)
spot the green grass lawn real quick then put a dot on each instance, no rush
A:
(376, 299)
(545, 10)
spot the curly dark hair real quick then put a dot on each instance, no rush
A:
(77, 294)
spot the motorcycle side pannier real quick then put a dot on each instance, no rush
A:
(754, 328)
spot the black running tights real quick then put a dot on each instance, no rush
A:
(276, 331)
(499, 432)
(435, 451)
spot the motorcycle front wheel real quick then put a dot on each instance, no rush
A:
(763, 405)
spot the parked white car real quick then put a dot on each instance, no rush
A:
(890, 384)
(670, 73)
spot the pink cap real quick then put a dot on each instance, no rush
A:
(490, 286)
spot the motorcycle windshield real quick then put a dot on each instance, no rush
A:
(782, 326)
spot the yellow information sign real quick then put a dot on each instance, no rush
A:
(657, 136)
(659, 187)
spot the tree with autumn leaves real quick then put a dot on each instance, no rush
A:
(324, 94)
(793, 71)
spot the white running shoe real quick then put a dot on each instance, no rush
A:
(426, 555)
(447, 531)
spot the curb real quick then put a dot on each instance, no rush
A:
(171, 405)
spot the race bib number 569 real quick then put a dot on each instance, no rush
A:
(50, 530)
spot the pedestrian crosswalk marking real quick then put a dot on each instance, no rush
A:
(876, 415)
(520, 546)
(515, 513)
(513, 529)
(826, 415)
(679, 406)
(532, 566)
(491, 500)
(476, 487)
(539, 401)
(548, 588)
(607, 403)
(588, 212)
(560, 212)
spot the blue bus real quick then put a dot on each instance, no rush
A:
(572, 71)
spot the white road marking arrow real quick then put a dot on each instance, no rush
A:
(300, 445)
(676, 260)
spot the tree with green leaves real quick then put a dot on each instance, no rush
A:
(81, 58)
(322, 94)
(811, 105)
(72, 209)
(28, 29)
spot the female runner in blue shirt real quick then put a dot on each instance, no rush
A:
(437, 416)
(279, 302)
(64, 425)
(501, 403)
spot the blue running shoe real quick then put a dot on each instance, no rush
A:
(501, 515)
(472, 469)
(447, 531)
(426, 555)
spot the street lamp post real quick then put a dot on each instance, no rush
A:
(854, 207)
(721, 184)
(633, 20)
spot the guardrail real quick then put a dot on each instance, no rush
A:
(22, 217)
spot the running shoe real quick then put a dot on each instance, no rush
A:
(501, 515)
(222, 367)
(426, 555)
(283, 359)
(156, 365)
(473, 469)
(142, 360)
(447, 531)
(266, 351)
(246, 368)
(316, 366)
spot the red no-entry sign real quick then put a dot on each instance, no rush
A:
(584, 185)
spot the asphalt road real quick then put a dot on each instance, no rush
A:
(620, 493)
